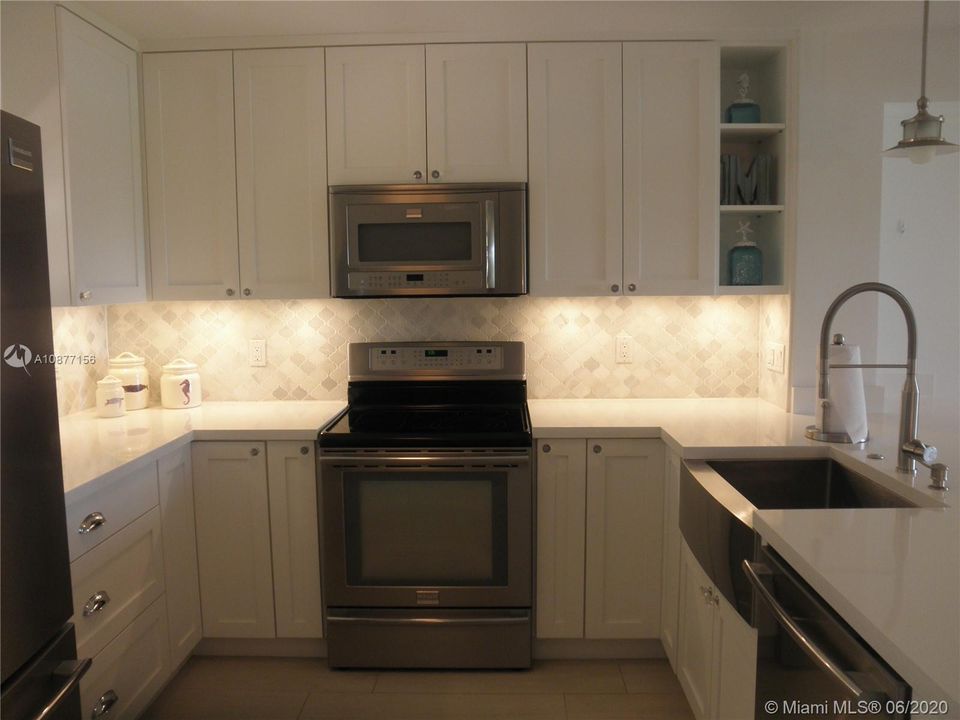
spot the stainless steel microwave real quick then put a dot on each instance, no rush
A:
(428, 240)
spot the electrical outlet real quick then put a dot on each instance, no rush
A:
(258, 353)
(773, 357)
(624, 349)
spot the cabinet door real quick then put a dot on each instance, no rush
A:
(671, 166)
(477, 112)
(561, 513)
(695, 635)
(734, 664)
(281, 173)
(576, 189)
(669, 595)
(100, 108)
(191, 175)
(180, 554)
(295, 536)
(376, 115)
(624, 538)
(233, 539)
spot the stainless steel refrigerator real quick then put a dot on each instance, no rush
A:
(41, 674)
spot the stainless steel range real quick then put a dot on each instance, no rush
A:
(427, 509)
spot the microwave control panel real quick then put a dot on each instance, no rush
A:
(464, 357)
(444, 280)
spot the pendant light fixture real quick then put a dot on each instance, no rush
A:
(923, 133)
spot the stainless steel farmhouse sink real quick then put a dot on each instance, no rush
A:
(805, 484)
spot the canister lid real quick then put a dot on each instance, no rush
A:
(126, 359)
(110, 381)
(180, 366)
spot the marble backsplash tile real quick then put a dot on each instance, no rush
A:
(774, 326)
(683, 346)
(78, 332)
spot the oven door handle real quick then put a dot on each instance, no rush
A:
(814, 651)
(445, 460)
(428, 621)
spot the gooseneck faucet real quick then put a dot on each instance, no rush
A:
(909, 448)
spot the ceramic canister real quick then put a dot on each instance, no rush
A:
(110, 397)
(132, 372)
(180, 384)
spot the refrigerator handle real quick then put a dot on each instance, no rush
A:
(73, 670)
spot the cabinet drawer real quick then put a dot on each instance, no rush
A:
(116, 581)
(129, 671)
(125, 499)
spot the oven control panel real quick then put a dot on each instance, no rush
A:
(461, 357)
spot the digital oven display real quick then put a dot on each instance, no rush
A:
(434, 353)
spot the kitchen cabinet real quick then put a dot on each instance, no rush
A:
(100, 115)
(191, 174)
(236, 174)
(233, 539)
(414, 114)
(595, 500)
(670, 578)
(258, 542)
(179, 554)
(716, 648)
(281, 173)
(292, 482)
(670, 166)
(561, 537)
(576, 168)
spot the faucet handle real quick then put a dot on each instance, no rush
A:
(926, 454)
(939, 473)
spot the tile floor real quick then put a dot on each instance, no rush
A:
(290, 689)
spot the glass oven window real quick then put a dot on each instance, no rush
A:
(425, 529)
(414, 242)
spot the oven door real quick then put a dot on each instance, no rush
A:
(438, 529)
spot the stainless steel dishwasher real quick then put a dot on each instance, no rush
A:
(810, 663)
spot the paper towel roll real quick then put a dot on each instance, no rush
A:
(848, 406)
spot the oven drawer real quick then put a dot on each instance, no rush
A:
(429, 639)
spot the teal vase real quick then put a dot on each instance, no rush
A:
(746, 264)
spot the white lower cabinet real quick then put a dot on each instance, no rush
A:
(257, 539)
(128, 673)
(599, 535)
(670, 589)
(716, 648)
(179, 554)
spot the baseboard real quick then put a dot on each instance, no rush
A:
(267, 647)
(597, 649)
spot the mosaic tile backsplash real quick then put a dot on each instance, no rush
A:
(77, 332)
(683, 346)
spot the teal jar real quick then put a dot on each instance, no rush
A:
(746, 264)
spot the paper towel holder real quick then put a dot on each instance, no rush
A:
(815, 433)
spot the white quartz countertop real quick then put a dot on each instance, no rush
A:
(893, 574)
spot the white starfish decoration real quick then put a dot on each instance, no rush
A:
(744, 230)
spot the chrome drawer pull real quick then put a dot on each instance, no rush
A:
(96, 603)
(91, 522)
(104, 704)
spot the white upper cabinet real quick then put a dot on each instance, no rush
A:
(670, 168)
(477, 112)
(100, 110)
(576, 160)
(376, 115)
(191, 174)
(281, 173)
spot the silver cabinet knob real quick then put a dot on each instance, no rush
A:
(597, 449)
(86, 295)
(546, 448)
(304, 450)
(230, 292)
(246, 291)
(97, 602)
(614, 288)
(254, 451)
(435, 174)
(632, 287)
(91, 522)
(104, 704)
(417, 174)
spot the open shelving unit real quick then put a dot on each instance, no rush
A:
(767, 67)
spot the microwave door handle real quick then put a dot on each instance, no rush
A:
(814, 651)
(490, 239)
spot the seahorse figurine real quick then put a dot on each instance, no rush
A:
(185, 388)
